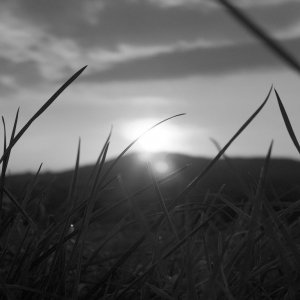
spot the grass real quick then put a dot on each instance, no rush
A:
(184, 249)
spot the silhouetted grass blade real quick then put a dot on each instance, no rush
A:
(223, 150)
(271, 43)
(40, 111)
(139, 241)
(13, 133)
(287, 122)
(135, 140)
(4, 165)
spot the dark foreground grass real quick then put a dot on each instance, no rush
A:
(182, 249)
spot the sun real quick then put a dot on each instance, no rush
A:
(158, 139)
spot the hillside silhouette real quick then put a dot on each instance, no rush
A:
(237, 177)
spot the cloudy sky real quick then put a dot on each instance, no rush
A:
(147, 60)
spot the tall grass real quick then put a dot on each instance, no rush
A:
(180, 251)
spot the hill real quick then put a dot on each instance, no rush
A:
(238, 178)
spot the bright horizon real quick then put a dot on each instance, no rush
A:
(147, 60)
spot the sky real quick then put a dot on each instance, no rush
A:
(147, 60)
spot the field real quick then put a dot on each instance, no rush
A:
(171, 236)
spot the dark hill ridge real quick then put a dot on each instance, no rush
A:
(284, 178)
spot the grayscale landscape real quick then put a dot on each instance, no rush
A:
(150, 149)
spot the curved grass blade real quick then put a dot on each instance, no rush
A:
(13, 133)
(40, 111)
(5, 162)
(131, 250)
(11, 139)
(193, 183)
(2, 179)
(287, 122)
(271, 43)
(4, 132)
(134, 141)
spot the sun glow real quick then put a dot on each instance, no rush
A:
(162, 138)
(159, 139)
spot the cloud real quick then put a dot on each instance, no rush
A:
(195, 61)
(133, 40)
(22, 43)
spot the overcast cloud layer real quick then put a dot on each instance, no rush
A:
(131, 39)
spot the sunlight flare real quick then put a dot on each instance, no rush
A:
(160, 138)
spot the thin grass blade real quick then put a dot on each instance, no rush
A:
(287, 122)
(4, 165)
(134, 141)
(271, 43)
(96, 291)
(4, 132)
(194, 182)
(15, 125)
(40, 111)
